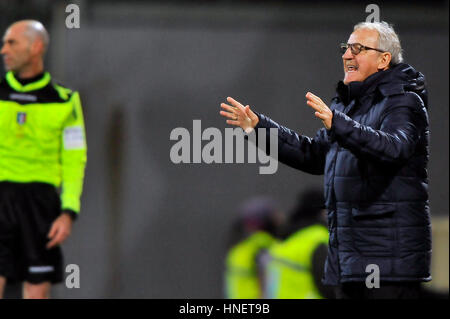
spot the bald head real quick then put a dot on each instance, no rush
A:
(24, 45)
(33, 30)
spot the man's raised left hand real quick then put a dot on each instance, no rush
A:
(322, 110)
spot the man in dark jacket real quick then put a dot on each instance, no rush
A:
(373, 153)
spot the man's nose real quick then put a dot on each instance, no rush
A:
(3, 51)
(347, 54)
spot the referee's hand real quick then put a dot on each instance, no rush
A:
(59, 231)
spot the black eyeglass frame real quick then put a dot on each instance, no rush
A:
(359, 47)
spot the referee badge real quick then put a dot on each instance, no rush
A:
(21, 118)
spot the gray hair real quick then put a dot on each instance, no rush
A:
(387, 38)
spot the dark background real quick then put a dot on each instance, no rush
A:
(150, 228)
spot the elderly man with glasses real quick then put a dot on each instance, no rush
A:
(373, 153)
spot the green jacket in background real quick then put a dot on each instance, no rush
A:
(288, 272)
(242, 276)
(42, 136)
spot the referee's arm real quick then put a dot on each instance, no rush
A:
(73, 162)
(73, 158)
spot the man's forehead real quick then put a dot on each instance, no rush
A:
(6, 36)
(14, 31)
(364, 36)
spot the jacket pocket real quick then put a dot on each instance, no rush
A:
(373, 230)
(374, 210)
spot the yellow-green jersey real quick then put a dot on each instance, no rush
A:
(241, 276)
(289, 269)
(42, 136)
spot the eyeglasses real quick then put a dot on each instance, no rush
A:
(356, 48)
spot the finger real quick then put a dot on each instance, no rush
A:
(52, 231)
(319, 105)
(313, 97)
(314, 106)
(229, 115)
(229, 108)
(317, 102)
(248, 115)
(54, 241)
(247, 110)
(59, 238)
(320, 115)
(251, 116)
(236, 103)
(236, 123)
(232, 110)
(51, 244)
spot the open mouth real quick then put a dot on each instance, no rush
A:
(351, 68)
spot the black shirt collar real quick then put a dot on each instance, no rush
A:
(29, 80)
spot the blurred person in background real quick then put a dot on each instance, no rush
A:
(294, 265)
(254, 231)
(42, 161)
(373, 152)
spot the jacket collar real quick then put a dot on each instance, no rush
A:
(36, 85)
(358, 89)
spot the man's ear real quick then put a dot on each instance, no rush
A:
(37, 47)
(384, 60)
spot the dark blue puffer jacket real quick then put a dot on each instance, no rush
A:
(374, 160)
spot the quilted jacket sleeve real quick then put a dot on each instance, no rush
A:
(402, 125)
(298, 151)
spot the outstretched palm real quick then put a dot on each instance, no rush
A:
(239, 115)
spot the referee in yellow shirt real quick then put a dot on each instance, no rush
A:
(42, 161)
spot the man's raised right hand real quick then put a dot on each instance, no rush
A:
(238, 115)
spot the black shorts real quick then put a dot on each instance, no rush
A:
(27, 211)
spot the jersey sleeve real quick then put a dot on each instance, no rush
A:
(73, 157)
